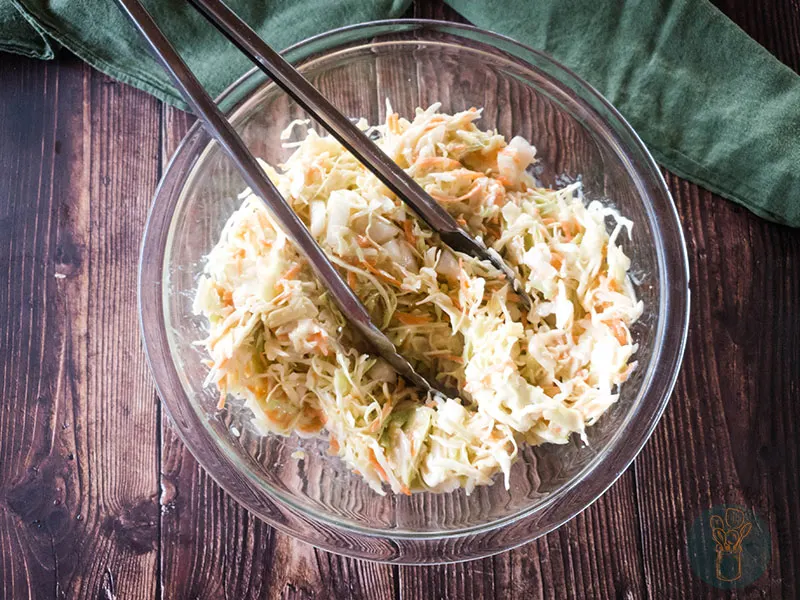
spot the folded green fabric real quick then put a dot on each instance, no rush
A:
(18, 34)
(101, 35)
(710, 103)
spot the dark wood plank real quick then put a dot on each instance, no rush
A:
(212, 547)
(595, 555)
(78, 510)
(729, 434)
(592, 556)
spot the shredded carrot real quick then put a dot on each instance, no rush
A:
(493, 231)
(461, 221)
(409, 319)
(619, 331)
(313, 427)
(227, 298)
(320, 341)
(386, 410)
(292, 272)
(497, 195)
(393, 123)
(551, 390)
(374, 462)
(404, 489)
(334, 446)
(264, 222)
(454, 358)
(283, 420)
(568, 229)
(437, 161)
(351, 279)
(409, 232)
(314, 421)
(378, 273)
(556, 261)
(363, 241)
(222, 397)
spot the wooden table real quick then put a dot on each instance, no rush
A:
(99, 499)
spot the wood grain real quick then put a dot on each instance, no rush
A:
(596, 554)
(77, 479)
(729, 434)
(213, 548)
(99, 499)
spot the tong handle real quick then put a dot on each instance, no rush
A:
(222, 131)
(351, 137)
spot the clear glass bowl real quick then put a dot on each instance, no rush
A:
(577, 134)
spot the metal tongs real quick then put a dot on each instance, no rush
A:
(352, 138)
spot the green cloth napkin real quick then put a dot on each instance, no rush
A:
(710, 103)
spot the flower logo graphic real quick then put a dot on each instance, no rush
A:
(729, 533)
(729, 547)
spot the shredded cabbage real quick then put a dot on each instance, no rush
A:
(276, 340)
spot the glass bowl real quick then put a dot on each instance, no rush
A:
(577, 134)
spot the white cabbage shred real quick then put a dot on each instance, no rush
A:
(276, 341)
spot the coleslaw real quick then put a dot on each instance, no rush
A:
(277, 342)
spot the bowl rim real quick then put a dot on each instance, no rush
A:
(155, 338)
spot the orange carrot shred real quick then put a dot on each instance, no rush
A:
(320, 341)
(292, 272)
(374, 462)
(409, 233)
(409, 319)
(454, 358)
(377, 272)
(619, 332)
